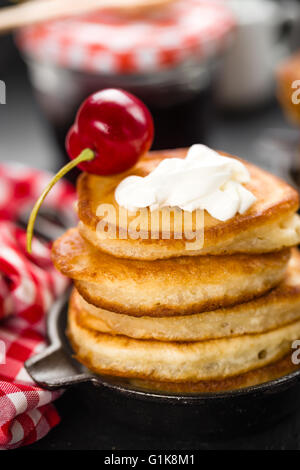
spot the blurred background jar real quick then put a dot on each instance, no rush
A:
(168, 59)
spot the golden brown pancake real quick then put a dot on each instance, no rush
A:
(279, 307)
(269, 225)
(177, 286)
(178, 362)
(254, 377)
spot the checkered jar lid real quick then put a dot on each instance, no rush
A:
(111, 44)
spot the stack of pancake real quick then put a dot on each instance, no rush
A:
(217, 317)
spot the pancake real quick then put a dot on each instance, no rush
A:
(273, 237)
(277, 308)
(178, 286)
(254, 377)
(178, 362)
(269, 225)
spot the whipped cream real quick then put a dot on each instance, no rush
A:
(203, 180)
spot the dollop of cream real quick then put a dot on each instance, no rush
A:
(203, 180)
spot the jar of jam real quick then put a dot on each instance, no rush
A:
(166, 58)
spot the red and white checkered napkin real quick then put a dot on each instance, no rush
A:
(28, 286)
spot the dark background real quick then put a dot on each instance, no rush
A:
(26, 136)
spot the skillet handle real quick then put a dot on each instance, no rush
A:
(53, 369)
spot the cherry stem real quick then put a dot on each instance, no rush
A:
(85, 156)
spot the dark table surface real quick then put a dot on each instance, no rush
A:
(80, 429)
(26, 136)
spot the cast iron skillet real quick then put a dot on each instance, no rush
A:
(210, 414)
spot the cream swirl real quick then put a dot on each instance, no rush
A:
(203, 180)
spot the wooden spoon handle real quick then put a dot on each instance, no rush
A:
(36, 11)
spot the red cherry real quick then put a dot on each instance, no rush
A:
(112, 130)
(116, 126)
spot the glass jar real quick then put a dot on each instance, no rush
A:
(167, 59)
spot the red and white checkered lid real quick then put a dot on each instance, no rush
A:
(107, 43)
